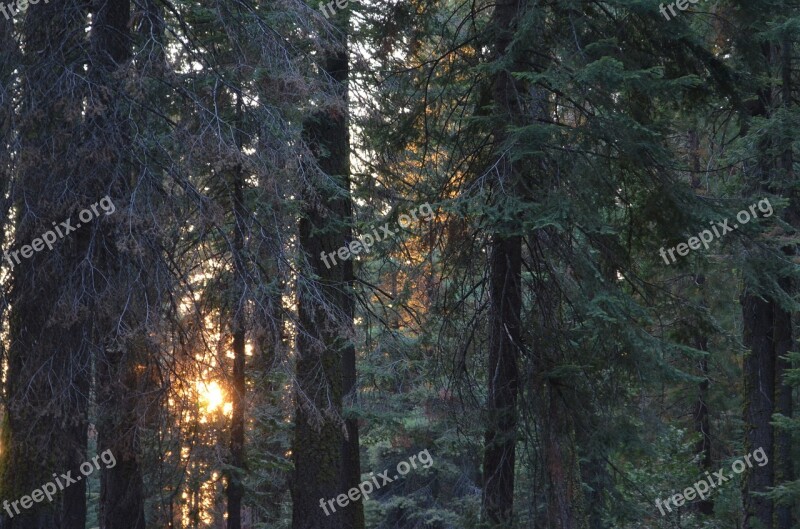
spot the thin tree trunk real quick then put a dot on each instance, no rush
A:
(784, 468)
(783, 333)
(702, 425)
(351, 456)
(235, 489)
(235, 486)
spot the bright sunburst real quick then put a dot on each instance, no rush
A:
(212, 396)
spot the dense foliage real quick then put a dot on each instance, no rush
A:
(419, 264)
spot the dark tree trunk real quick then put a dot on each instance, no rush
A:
(121, 488)
(500, 444)
(235, 486)
(351, 456)
(505, 299)
(759, 373)
(323, 457)
(767, 326)
(127, 290)
(48, 370)
(784, 467)
(783, 333)
(564, 497)
(702, 425)
(235, 489)
(318, 439)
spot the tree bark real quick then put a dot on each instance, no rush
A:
(351, 455)
(325, 460)
(783, 338)
(564, 497)
(702, 425)
(500, 443)
(47, 382)
(235, 490)
(127, 294)
(505, 298)
(235, 487)
(759, 372)
(318, 439)
(784, 466)
(768, 330)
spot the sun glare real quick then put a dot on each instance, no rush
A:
(212, 396)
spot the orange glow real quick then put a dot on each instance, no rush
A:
(212, 396)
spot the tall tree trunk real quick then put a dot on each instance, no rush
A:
(759, 372)
(564, 496)
(324, 457)
(594, 473)
(351, 456)
(235, 489)
(318, 438)
(503, 378)
(702, 423)
(565, 506)
(784, 467)
(783, 338)
(47, 382)
(125, 290)
(353, 517)
(767, 325)
(235, 486)
(505, 298)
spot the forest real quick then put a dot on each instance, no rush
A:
(399, 264)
